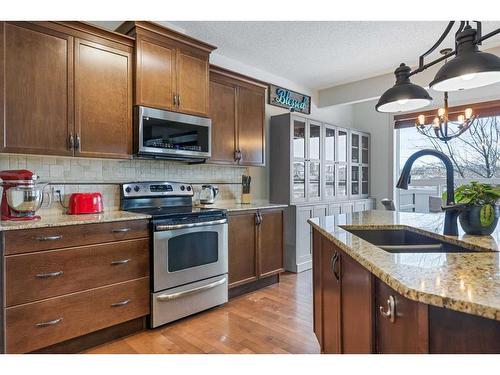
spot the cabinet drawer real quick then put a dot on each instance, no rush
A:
(36, 325)
(29, 240)
(35, 276)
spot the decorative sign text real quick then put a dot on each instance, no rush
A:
(289, 99)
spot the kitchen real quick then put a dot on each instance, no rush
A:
(166, 192)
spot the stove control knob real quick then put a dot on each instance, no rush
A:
(128, 189)
(136, 188)
(189, 188)
(183, 188)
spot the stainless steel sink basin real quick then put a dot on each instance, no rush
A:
(406, 241)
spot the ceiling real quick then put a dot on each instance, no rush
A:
(322, 54)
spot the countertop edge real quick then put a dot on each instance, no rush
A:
(411, 293)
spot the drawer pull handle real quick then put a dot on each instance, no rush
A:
(170, 297)
(120, 230)
(122, 303)
(118, 262)
(49, 238)
(48, 275)
(391, 307)
(49, 323)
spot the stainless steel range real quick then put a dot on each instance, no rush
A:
(189, 249)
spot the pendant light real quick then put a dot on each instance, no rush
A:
(404, 95)
(470, 68)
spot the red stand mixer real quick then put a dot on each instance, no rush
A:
(22, 195)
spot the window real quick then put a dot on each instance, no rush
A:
(475, 156)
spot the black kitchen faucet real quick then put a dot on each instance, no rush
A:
(451, 209)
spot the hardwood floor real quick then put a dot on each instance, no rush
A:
(275, 319)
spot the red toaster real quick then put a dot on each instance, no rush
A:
(85, 203)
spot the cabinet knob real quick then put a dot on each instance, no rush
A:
(390, 313)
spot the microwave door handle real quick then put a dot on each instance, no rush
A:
(162, 227)
(169, 297)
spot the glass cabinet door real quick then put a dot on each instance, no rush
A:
(314, 180)
(355, 180)
(364, 180)
(342, 146)
(329, 144)
(299, 180)
(354, 148)
(314, 141)
(342, 180)
(330, 180)
(364, 149)
(299, 139)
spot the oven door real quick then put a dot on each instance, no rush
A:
(189, 253)
(172, 135)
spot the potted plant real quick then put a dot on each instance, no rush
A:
(481, 212)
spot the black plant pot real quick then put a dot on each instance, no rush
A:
(470, 220)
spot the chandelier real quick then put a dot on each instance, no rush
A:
(442, 127)
(469, 68)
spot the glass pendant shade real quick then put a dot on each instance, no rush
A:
(404, 95)
(469, 69)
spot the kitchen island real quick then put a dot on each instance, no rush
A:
(371, 300)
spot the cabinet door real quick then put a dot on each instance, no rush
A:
(303, 236)
(314, 152)
(330, 283)
(251, 131)
(317, 292)
(320, 211)
(298, 129)
(357, 307)
(192, 82)
(36, 90)
(155, 74)
(405, 331)
(242, 248)
(223, 115)
(347, 207)
(271, 243)
(334, 209)
(103, 100)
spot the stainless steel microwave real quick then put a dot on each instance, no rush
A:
(171, 135)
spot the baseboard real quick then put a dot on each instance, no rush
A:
(301, 267)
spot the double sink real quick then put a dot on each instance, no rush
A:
(406, 241)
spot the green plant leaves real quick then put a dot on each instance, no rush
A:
(487, 215)
(477, 193)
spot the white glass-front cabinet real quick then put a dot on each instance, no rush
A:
(359, 172)
(342, 164)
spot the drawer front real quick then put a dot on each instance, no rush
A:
(29, 240)
(36, 325)
(35, 276)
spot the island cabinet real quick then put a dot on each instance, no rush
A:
(343, 303)
(65, 89)
(255, 249)
(171, 68)
(356, 312)
(68, 288)
(237, 108)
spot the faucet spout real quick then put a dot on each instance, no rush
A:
(451, 210)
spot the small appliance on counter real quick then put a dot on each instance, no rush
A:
(208, 194)
(246, 197)
(85, 203)
(22, 195)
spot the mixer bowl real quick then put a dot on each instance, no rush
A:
(25, 198)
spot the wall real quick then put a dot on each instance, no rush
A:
(89, 175)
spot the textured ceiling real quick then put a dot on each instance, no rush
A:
(322, 54)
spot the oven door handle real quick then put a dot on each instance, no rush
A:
(162, 227)
(170, 297)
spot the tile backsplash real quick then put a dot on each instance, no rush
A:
(71, 175)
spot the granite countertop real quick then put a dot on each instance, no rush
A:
(58, 220)
(467, 282)
(233, 205)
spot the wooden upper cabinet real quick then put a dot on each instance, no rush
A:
(192, 83)
(103, 100)
(36, 89)
(271, 242)
(171, 68)
(223, 115)
(242, 238)
(155, 83)
(237, 108)
(251, 131)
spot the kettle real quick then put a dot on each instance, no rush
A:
(208, 194)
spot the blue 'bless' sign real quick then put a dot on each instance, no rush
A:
(289, 99)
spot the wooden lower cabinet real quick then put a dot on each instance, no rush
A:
(256, 240)
(355, 312)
